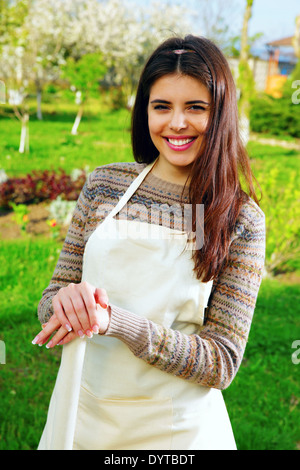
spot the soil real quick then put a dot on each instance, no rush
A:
(37, 225)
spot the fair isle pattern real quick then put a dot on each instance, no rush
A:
(210, 358)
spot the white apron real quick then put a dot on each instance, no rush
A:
(104, 396)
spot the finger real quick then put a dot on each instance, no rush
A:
(52, 325)
(59, 312)
(65, 298)
(90, 305)
(81, 311)
(66, 339)
(101, 297)
(60, 335)
(39, 338)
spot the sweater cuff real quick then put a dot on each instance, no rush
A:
(45, 311)
(128, 327)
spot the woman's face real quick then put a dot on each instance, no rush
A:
(178, 113)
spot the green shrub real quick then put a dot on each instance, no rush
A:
(277, 116)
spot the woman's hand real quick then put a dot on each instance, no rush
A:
(79, 309)
(62, 336)
(76, 307)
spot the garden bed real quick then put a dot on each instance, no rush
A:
(37, 224)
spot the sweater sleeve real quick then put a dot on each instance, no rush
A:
(212, 357)
(69, 265)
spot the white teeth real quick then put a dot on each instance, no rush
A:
(180, 142)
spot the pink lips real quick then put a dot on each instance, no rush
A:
(180, 147)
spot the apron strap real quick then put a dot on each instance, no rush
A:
(131, 190)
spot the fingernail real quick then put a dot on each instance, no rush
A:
(68, 327)
(49, 345)
(89, 333)
(99, 307)
(81, 334)
(96, 329)
(35, 340)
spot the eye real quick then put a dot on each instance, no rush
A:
(160, 106)
(197, 107)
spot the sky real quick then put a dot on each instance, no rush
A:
(275, 18)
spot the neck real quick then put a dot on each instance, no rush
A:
(171, 173)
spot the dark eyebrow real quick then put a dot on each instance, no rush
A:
(188, 102)
(160, 101)
(197, 101)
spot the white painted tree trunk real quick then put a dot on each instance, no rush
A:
(39, 105)
(77, 121)
(24, 139)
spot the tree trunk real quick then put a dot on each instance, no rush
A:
(296, 39)
(24, 140)
(2, 93)
(39, 104)
(244, 38)
(77, 120)
(246, 82)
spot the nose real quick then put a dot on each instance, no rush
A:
(178, 121)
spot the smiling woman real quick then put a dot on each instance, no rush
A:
(164, 322)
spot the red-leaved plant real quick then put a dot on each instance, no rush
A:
(40, 186)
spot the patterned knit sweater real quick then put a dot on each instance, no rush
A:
(210, 358)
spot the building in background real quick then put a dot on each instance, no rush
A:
(271, 65)
(282, 61)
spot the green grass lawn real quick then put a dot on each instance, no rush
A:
(103, 137)
(27, 378)
(263, 401)
(267, 157)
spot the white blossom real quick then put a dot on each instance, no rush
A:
(61, 210)
(55, 29)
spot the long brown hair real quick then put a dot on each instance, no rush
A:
(215, 178)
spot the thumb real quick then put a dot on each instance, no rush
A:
(104, 319)
(101, 297)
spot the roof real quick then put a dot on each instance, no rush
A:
(282, 42)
